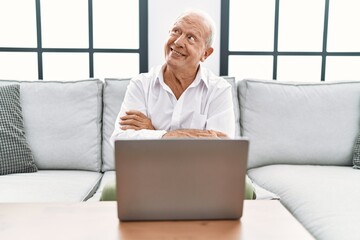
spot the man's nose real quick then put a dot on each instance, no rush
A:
(180, 41)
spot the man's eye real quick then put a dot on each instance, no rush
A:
(191, 38)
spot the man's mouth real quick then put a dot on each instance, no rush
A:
(176, 52)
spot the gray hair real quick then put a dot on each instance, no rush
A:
(207, 19)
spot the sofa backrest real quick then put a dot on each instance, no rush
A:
(235, 96)
(62, 122)
(299, 123)
(114, 93)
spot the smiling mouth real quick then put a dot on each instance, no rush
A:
(176, 52)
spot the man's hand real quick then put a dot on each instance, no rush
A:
(135, 120)
(194, 133)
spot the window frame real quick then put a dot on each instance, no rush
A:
(142, 50)
(225, 52)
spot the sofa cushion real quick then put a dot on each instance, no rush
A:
(108, 178)
(63, 122)
(114, 93)
(356, 156)
(235, 96)
(49, 186)
(323, 198)
(300, 123)
(15, 153)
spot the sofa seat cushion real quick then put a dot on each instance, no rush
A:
(49, 186)
(323, 198)
(108, 177)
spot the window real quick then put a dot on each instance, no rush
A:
(291, 40)
(64, 40)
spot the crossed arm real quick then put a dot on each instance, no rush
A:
(137, 120)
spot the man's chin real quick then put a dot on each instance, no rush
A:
(176, 58)
(173, 63)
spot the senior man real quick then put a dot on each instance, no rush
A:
(181, 98)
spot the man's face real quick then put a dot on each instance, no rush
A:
(186, 46)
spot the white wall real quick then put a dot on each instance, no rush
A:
(162, 13)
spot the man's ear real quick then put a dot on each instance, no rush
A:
(207, 53)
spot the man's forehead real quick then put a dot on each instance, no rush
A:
(199, 24)
(192, 19)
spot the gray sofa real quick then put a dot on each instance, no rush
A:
(302, 138)
(301, 135)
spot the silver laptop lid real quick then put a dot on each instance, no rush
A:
(180, 179)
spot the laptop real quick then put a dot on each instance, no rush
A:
(180, 179)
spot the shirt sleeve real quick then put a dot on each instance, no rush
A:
(221, 116)
(134, 100)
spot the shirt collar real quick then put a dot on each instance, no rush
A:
(201, 76)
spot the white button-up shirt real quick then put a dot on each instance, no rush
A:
(205, 104)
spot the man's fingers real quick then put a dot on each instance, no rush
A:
(204, 134)
(127, 127)
(130, 122)
(132, 116)
(137, 113)
(137, 120)
(195, 133)
(220, 134)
